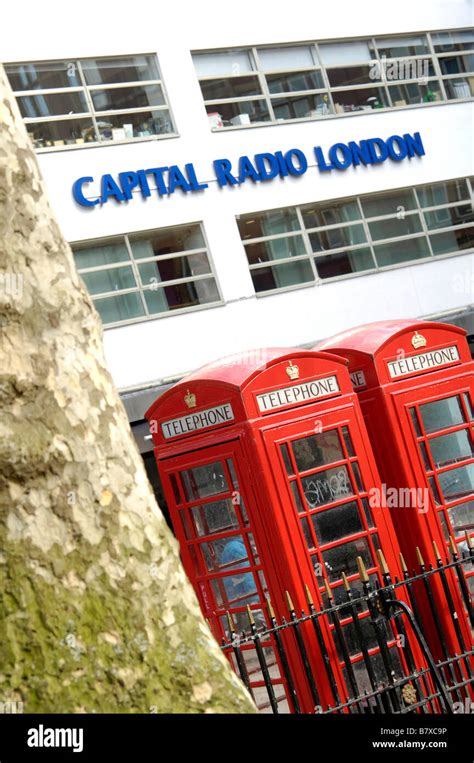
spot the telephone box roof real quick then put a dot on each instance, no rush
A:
(370, 338)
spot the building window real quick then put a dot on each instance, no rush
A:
(100, 100)
(248, 86)
(295, 246)
(148, 275)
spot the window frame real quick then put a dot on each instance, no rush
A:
(134, 263)
(92, 114)
(370, 243)
(382, 82)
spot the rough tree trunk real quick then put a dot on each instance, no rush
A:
(96, 613)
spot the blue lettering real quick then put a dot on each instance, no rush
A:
(341, 164)
(380, 144)
(194, 182)
(323, 167)
(414, 144)
(302, 162)
(267, 166)
(247, 170)
(401, 145)
(224, 176)
(157, 173)
(360, 153)
(110, 188)
(144, 187)
(177, 180)
(128, 181)
(78, 194)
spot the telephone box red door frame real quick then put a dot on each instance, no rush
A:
(403, 371)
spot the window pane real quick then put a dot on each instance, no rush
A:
(181, 295)
(457, 64)
(109, 280)
(203, 481)
(215, 517)
(41, 106)
(267, 223)
(395, 227)
(343, 558)
(139, 125)
(444, 218)
(301, 106)
(337, 237)
(121, 308)
(388, 203)
(326, 486)
(307, 533)
(243, 112)
(340, 53)
(338, 522)
(224, 554)
(365, 99)
(284, 83)
(457, 483)
(442, 193)
(330, 213)
(403, 251)
(121, 98)
(393, 47)
(351, 75)
(317, 450)
(225, 62)
(177, 267)
(275, 249)
(297, 497)
(449, 448)
(292, 57)
(444, 42)
(453, 241)
(236, 87)
(415, 422)
(61, 133)
(441, 414)
(286, 459)
(342, 263)
(280, 276)
(459, 87)
(462, 518)
(108, 71)
(168, 240)
(93, 256)
(44, 75)
(415, 92)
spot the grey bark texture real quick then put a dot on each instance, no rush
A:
(96, 613)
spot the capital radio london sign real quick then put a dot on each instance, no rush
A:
(89, 191)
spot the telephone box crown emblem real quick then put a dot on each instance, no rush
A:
(190, 399)
(292, 370)
(418, 340)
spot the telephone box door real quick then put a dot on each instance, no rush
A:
(221, 548)
(440, 426)
(323, 470)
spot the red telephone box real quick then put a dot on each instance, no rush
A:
(415, 381)
(266, 467)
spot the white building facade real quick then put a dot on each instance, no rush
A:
(190, 264)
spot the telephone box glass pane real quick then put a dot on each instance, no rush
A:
(343, 558)
(368, 513)
(348, 442)
(415, 421)
(457, 482)
(307, 532)
(462, 518)
(434, 491)
(216, 517)
(317, 450)
(337, 522)
(441, 414)
(225, 554)
(326, 486)
(235, 590)
(203, 481)
(286, 459)
(296, 496)
(449, 448)
(470, 409)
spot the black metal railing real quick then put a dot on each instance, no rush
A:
(369, 651)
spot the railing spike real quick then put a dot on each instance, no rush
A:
(250, 615)
(328, 590)
(403, 563)
(469, 542)
(382, 562)
(452, 546)
(362, 570)
(308, 595)
(289, 602)
(436, 550)
(419, 557)
(346, 582)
